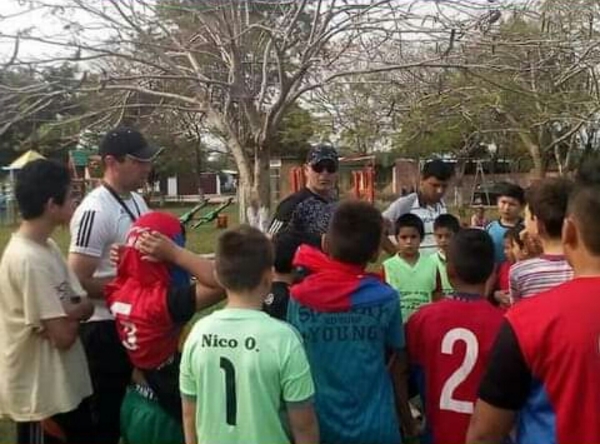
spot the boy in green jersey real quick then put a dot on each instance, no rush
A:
(445, 227)
(415, 277)
(240, 367)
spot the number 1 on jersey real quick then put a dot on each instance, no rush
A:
(230, 393)
(447, 400)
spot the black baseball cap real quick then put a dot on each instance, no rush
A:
(322, 152)
(123, 141)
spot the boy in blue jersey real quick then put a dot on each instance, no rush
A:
(510, 205)
(349, 319)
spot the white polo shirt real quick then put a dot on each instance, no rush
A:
(427, 213)
(100, 221)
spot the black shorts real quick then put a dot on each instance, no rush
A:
(110, 371)
(164, 382)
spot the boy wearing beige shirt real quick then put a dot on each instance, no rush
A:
(43, 365)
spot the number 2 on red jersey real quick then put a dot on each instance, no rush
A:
(447, 398)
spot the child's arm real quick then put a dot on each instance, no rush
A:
(438, 292)
(303, 422)
(399, 371)
(159, 247)
(188, 407)
(208, 290)
(513, 280)
(62, 332)
(490, 285)
(79, 311)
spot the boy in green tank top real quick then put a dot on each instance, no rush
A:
(415, 277)
(445, 227)
(242, 369)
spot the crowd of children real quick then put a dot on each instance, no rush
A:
(311, 346)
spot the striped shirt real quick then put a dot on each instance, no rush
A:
(533, 276)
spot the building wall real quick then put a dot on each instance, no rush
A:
(406, 175)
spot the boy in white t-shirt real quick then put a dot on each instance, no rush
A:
(43, 365)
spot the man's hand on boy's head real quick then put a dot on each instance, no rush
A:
(156, 246)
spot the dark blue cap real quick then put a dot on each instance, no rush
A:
(127, 141)
(322, 152)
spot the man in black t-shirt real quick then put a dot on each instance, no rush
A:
(306, 213)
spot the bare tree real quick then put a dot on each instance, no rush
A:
(240, 63)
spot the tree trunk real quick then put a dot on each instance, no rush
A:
(262, 177)
(539, 171)
(254, 187)
(198, 168)
(459, 174)
(245, 179)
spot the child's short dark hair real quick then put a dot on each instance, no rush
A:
(355, 232)
(584, 204)
(547, 201)
(471, 253)
(512, 190)
(439, 169)
(514, 234)
(37, 183)
(243, 256)
(285, 244)
(447, 221)
(588, 173)
(410, 220)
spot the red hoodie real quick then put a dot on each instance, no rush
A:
(137, 297)
(334, 286)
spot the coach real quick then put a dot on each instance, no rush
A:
(102, 219)
(307, 212)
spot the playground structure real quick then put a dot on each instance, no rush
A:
(363, 182)
(215, 214)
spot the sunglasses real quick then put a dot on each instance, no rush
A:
(330, 167)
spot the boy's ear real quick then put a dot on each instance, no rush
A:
(540, 227)
(268, 276)
(49, 205)
(216, 276)
(375, 255)
(451, 271)
(325, 243)
(570, 234)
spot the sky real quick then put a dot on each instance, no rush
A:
(14, 17)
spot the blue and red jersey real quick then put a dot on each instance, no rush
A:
(558, 334)
(348, 318)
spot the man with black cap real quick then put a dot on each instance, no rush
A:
(102, 219)
(306, 213)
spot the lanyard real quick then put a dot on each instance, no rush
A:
(116, 196)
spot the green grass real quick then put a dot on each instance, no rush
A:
(199, 240)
